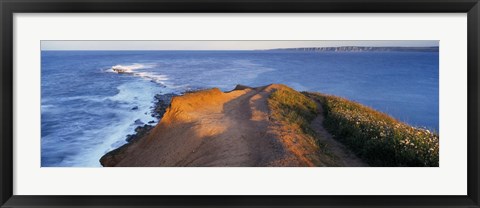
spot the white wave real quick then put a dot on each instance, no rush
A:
(46, 108)
(153, 77)
(129, 68)
(133, 69)
(138, 95)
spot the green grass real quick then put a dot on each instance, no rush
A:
(297, 111)
(376, 137)
(292, 107)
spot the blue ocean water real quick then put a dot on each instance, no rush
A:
(88, 109)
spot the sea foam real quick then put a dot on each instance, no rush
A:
(129, 68)
(140, 70)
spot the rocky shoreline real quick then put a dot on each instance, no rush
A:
(161, 103)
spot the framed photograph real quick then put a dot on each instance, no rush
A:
(267, 103)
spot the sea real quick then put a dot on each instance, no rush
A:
(88, 109)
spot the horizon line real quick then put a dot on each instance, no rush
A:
(237, 49)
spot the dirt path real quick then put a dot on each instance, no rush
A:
(243, 140)
(343, 156)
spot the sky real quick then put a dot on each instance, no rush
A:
(220, 45)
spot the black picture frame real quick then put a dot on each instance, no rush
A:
(9, 7)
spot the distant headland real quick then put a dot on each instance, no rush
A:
(359, 49)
